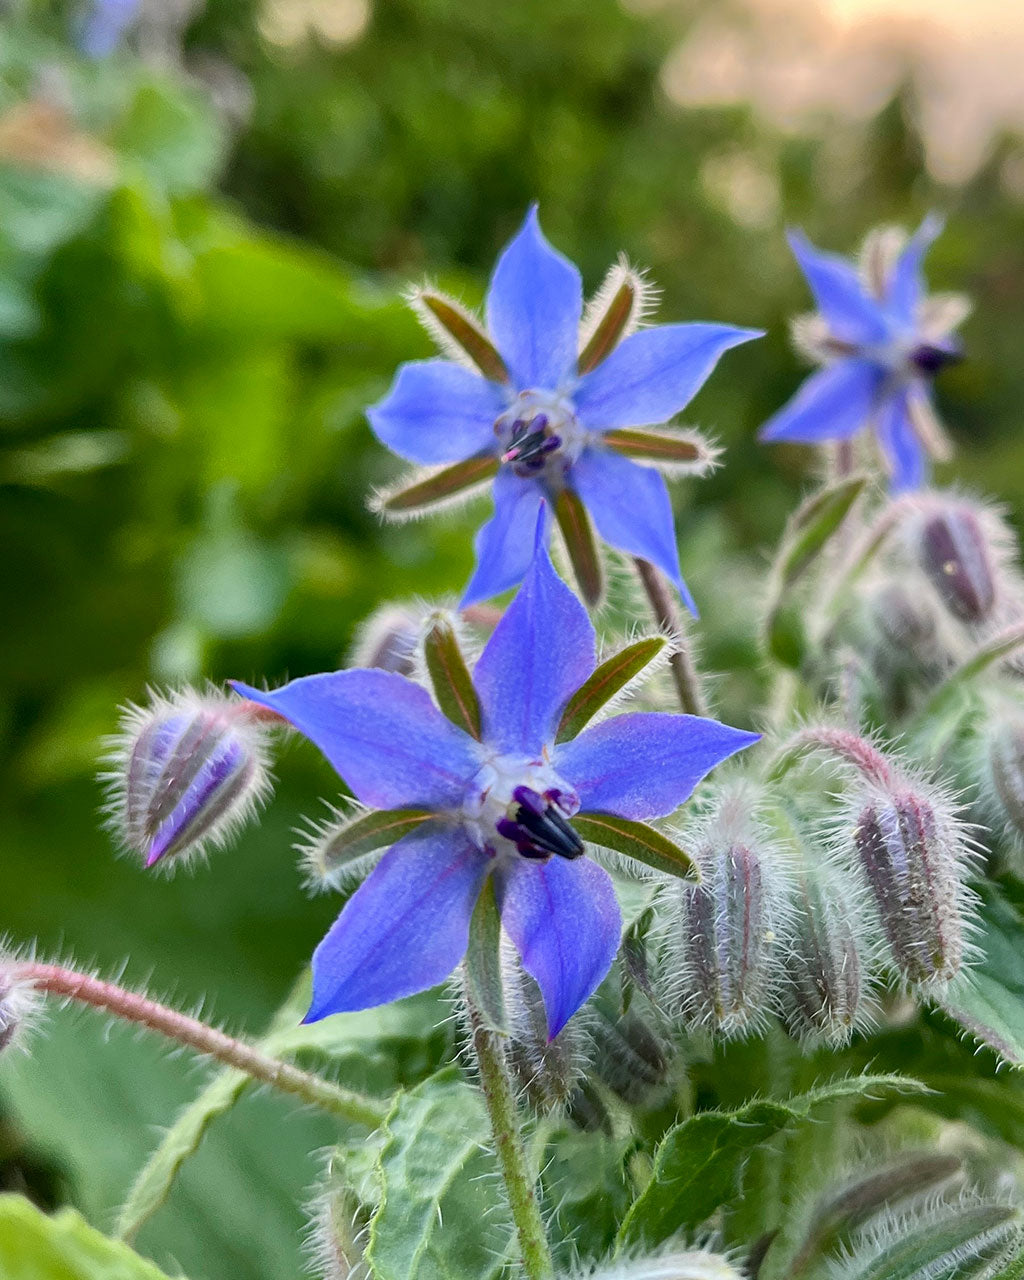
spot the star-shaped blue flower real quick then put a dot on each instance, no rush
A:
(547, 423)
(499, 806)
(881, 341)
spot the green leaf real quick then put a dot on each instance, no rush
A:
(483, 960)
(698, 1162)
(987, 1000)
(34, 1246)
(955, 686)
(449, 676)
(635, 840)
(578, 533)
(586, 1190)
(436, 1219)
(610, 678)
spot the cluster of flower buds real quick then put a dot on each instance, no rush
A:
(547, 1070)
(185, 772)
(724, 933)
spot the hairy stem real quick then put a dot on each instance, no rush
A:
(196, 1035)
(508, 1141)
(666, 615)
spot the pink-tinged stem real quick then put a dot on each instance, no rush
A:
(132, 1007)
(667, 616)
(844, 744)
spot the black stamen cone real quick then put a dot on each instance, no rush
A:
(539, 828)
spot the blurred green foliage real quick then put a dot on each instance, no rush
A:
(195, 308)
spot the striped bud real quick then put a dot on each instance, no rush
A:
(547, 1071)
(185, 772)
(723, 960)
(629, 1054)
(911, 850)
(825, 992)
(955, 552)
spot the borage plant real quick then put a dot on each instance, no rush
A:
(755, 1037)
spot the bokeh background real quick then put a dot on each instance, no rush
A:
(207, 216)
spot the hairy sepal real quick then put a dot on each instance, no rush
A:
(431, 489)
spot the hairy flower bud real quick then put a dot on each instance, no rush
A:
(826, 989)
(546, 1070)
(17, 1002)
(723, 944)
(388, 639)
(954, 552)
(1005, 742)
(338, 1228)
(185, 772)
(911, 850)
(672, 1264)
(629, 1054)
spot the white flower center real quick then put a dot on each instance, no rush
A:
(540, 435)
(519, 806)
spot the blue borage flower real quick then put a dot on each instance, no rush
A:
(547, 409)
(881, 341)
(500, 805)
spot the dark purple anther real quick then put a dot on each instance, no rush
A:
(931, 359)
(537, 826)
(530, 442)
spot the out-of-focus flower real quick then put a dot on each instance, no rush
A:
(881, 340)
(106, 24)
(495, 794)
(547, 402)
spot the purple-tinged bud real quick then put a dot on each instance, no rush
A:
(18, 1001)
(630, 1055)
(671, 1263)
(825, 996)
(388, 639)
(956, 555)
(911, 850)
(185, 772)
(546, 1071)
(723, 965)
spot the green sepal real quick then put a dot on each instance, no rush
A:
(610, 328)
(635, 840)
(609, 678)
(440, 485)
(469, 336)
(657, 446)
(449, 676)
(578, 533)
(483, 960)
(366, 832)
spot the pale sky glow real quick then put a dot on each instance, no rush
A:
(799, 59)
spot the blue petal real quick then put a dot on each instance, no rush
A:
(653, 374)
(904, 452)
(405, 928)
(383, 735)
(630, 505)
(504, 545)
(541, 651)
(832, 404)
(534, 307)
(645, 764)
(907, 286)
(436, 411)
(565, 922)
(851, 314)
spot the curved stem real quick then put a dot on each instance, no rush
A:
(508, 1141)
(132, 1007)
(666, 615)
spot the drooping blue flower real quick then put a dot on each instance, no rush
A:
(552, 417)
(880, 340)
(499, 806)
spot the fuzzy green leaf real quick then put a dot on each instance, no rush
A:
(813, 525)
(610, 678)
(449, 676)
(698, 1162)
(635, 840)
(34, 1246)
(436, 1219)
(962, 1242)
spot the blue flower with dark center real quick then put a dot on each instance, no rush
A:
(499, 804)
(546, 402)
(881, 341)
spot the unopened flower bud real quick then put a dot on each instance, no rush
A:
(338, 1228)
(547, 1071)
(17, 1001)
(825, 993)
(629, 1054)
(911, 850)
(674, 1264)
(388, 639)
(723, 945)
(956, 553)
(185, 772)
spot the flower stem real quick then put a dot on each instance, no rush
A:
(132, 1007)
(508, 1140)
(666, 615)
